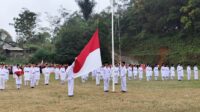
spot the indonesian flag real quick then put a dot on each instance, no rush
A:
(90, 57)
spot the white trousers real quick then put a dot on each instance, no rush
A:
(2, 82)
(46, 79)
(189, 75)
(116, 79)
(196, 76)
(98, 79)
(33, 81)
(140, 76)
(106, 84)
(70, 87)
(123, 84)
(57, 76)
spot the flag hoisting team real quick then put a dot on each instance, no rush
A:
(31, 74)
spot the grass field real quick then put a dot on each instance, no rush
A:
(142, 96)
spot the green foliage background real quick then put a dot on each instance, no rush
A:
(146, 26)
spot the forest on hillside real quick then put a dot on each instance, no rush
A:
(150, 31)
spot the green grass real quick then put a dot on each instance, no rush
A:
(142, 96)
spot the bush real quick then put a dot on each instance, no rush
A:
(2, 58)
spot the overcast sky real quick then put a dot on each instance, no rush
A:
(11, 8)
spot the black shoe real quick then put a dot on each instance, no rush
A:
(70, 95)
(46, 84)
(106, 91)
(123, 91)
(32, 87)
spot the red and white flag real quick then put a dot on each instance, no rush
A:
(90, 57)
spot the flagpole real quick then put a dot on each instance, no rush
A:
(113, 57)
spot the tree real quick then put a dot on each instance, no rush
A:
(57, 21)
(191, 16)
(86, 7)
(25, 26)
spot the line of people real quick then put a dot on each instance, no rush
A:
(31, 74)
(137, 72)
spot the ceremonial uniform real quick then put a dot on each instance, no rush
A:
(116, 74)
(106, 78)
(163, 72)
(7, 74)
(27, 74)
(188, 72)
(123, 72)
(130, 73)
(70, 78)
(18, 79)
(32, 77)
(148, 74)
(2, 78)
(135, 72)
(57, 73)
(14, 69)
(102, 73)
(140, 72)
(46, 72)
(156, 72)
(62, 75)
(98, 74)
(172, 72)
(196, 75)
(167, 72)
(37, 75)
(180, 72)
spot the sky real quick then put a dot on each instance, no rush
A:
(11, 8)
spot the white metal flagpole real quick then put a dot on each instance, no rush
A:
(113, 57)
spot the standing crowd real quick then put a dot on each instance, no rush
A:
(30, 74)
(137, 72)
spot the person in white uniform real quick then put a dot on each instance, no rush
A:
(156, 72)
(70, 79)
(2, 78)
(27, 75)
(14, 68)
(130, 72)
(116, 73)
(6, 73)
(196, 74)
(18, 77)
(62, 75)
(147, 72)
(106, 77)
(46, 71)
(37, 75)
(123, 72)
(57, 73)
(163, 72)
(32, 76)
(140, 69)
(189, 72)
(98, 74)
(150, 72)
(180, 72)
(102, 72)
(167, 72)
(135, 72)
(172, 72)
